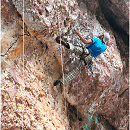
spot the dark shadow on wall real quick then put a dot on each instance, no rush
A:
(117, 19)
(105, 123)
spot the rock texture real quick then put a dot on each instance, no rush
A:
(31, 61)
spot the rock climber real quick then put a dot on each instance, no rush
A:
(96, 47)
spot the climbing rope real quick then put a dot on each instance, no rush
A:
(23, 57)
(23, 67)
(0, 64)
(59, 18)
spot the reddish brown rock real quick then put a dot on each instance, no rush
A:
(35, 61)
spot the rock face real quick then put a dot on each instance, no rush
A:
(31, 61)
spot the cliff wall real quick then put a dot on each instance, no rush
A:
(31, 61)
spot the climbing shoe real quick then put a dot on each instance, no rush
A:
(62, 42)
(56, 82)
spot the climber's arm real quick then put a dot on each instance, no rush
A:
(89, 41)
(83, 39)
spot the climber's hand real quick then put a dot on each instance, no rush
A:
(75, 31)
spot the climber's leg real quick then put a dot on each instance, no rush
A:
(87, 59)
(68, 77)
(56, 82)
(58, 40)
(78, 50)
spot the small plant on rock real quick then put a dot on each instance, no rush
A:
(91, 122)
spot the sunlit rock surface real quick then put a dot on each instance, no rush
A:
(35, 61)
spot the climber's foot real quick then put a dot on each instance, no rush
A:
(58, 40)
(56, 82)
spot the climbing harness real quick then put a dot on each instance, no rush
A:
(82, 52)
(90, 63)
(83, 60)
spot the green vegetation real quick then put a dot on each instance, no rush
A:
(91, 122)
